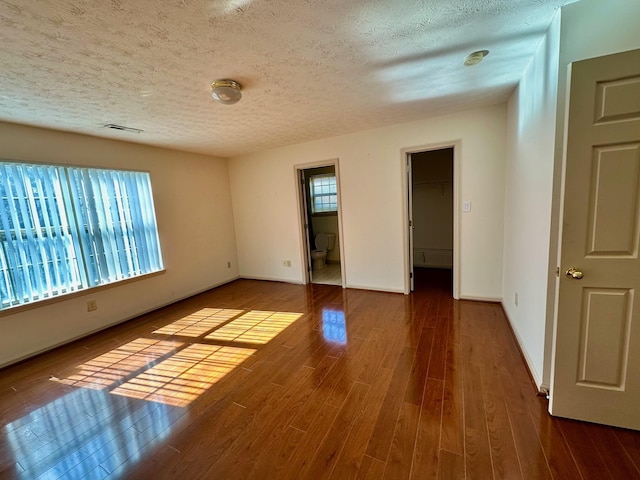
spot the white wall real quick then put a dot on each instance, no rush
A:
(529, 182)
(266, 207)
(193, 209)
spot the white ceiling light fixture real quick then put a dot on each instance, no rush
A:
(226, 91)
(475, 58)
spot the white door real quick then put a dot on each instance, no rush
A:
(308, 274)
(596, 374)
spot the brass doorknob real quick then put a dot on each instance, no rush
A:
(574, 273)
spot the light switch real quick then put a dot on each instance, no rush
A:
(466, 206)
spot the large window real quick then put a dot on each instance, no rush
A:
(64, 229)
(324, 197)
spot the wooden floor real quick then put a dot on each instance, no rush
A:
(262, 380)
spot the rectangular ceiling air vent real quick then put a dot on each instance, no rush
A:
(123, 128)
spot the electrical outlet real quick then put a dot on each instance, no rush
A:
(92, 305)
(286, 263)
(516, 299)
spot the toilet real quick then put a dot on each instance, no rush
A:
(324, 242)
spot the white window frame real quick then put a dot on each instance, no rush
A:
(327, 206)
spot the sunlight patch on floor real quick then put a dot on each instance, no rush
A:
(185, 375)
(176, 373)
(105, 370)
(254, 327)
(198, 323)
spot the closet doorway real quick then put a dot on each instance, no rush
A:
(431, 202)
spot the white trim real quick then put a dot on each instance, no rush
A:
(297, 168)
(542, 388)
(269, 279)
(376, 289)
(457, 182)
(473, 298)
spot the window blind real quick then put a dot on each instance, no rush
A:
(67, 228)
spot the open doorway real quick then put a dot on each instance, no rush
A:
(320, 215)
(432, 220)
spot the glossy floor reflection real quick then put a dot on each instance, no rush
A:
(83, 434)
(334, 326)
(265, 380)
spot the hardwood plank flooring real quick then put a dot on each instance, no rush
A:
(265, 380)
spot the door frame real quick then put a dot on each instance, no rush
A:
(405, 156)
(305, 248)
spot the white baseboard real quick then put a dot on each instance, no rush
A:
(375, 289)
(542, 388)
(481, 299)
(269, 279)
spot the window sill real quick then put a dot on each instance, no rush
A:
(67, 296)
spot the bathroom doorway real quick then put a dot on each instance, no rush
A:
(321, 223)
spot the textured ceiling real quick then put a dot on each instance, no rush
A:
(310, 68)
